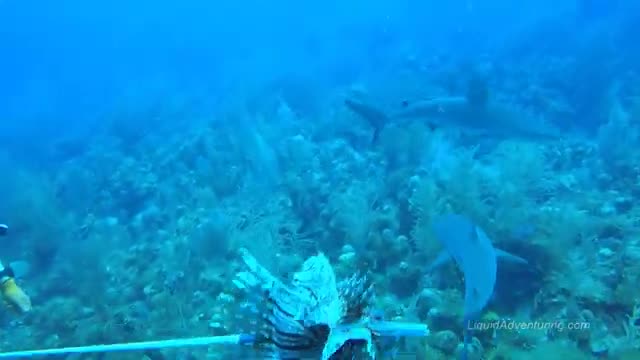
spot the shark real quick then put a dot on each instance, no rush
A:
(472, 113)
(472, 250)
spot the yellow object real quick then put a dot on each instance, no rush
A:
(14, 295)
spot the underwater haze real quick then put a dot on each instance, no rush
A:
(300, 173)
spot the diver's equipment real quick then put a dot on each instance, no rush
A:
(4, 229)
(14, 295)
(10, 292)
(314, 317)
(139, 346)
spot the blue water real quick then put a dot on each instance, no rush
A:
(143, 143)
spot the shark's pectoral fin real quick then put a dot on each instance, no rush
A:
(503, 255)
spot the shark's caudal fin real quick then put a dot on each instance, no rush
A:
(374, 116)
(378, 119)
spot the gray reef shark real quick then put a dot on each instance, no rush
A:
(473, 113)
(472, 250)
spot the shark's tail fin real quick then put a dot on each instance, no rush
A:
(374, 116)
